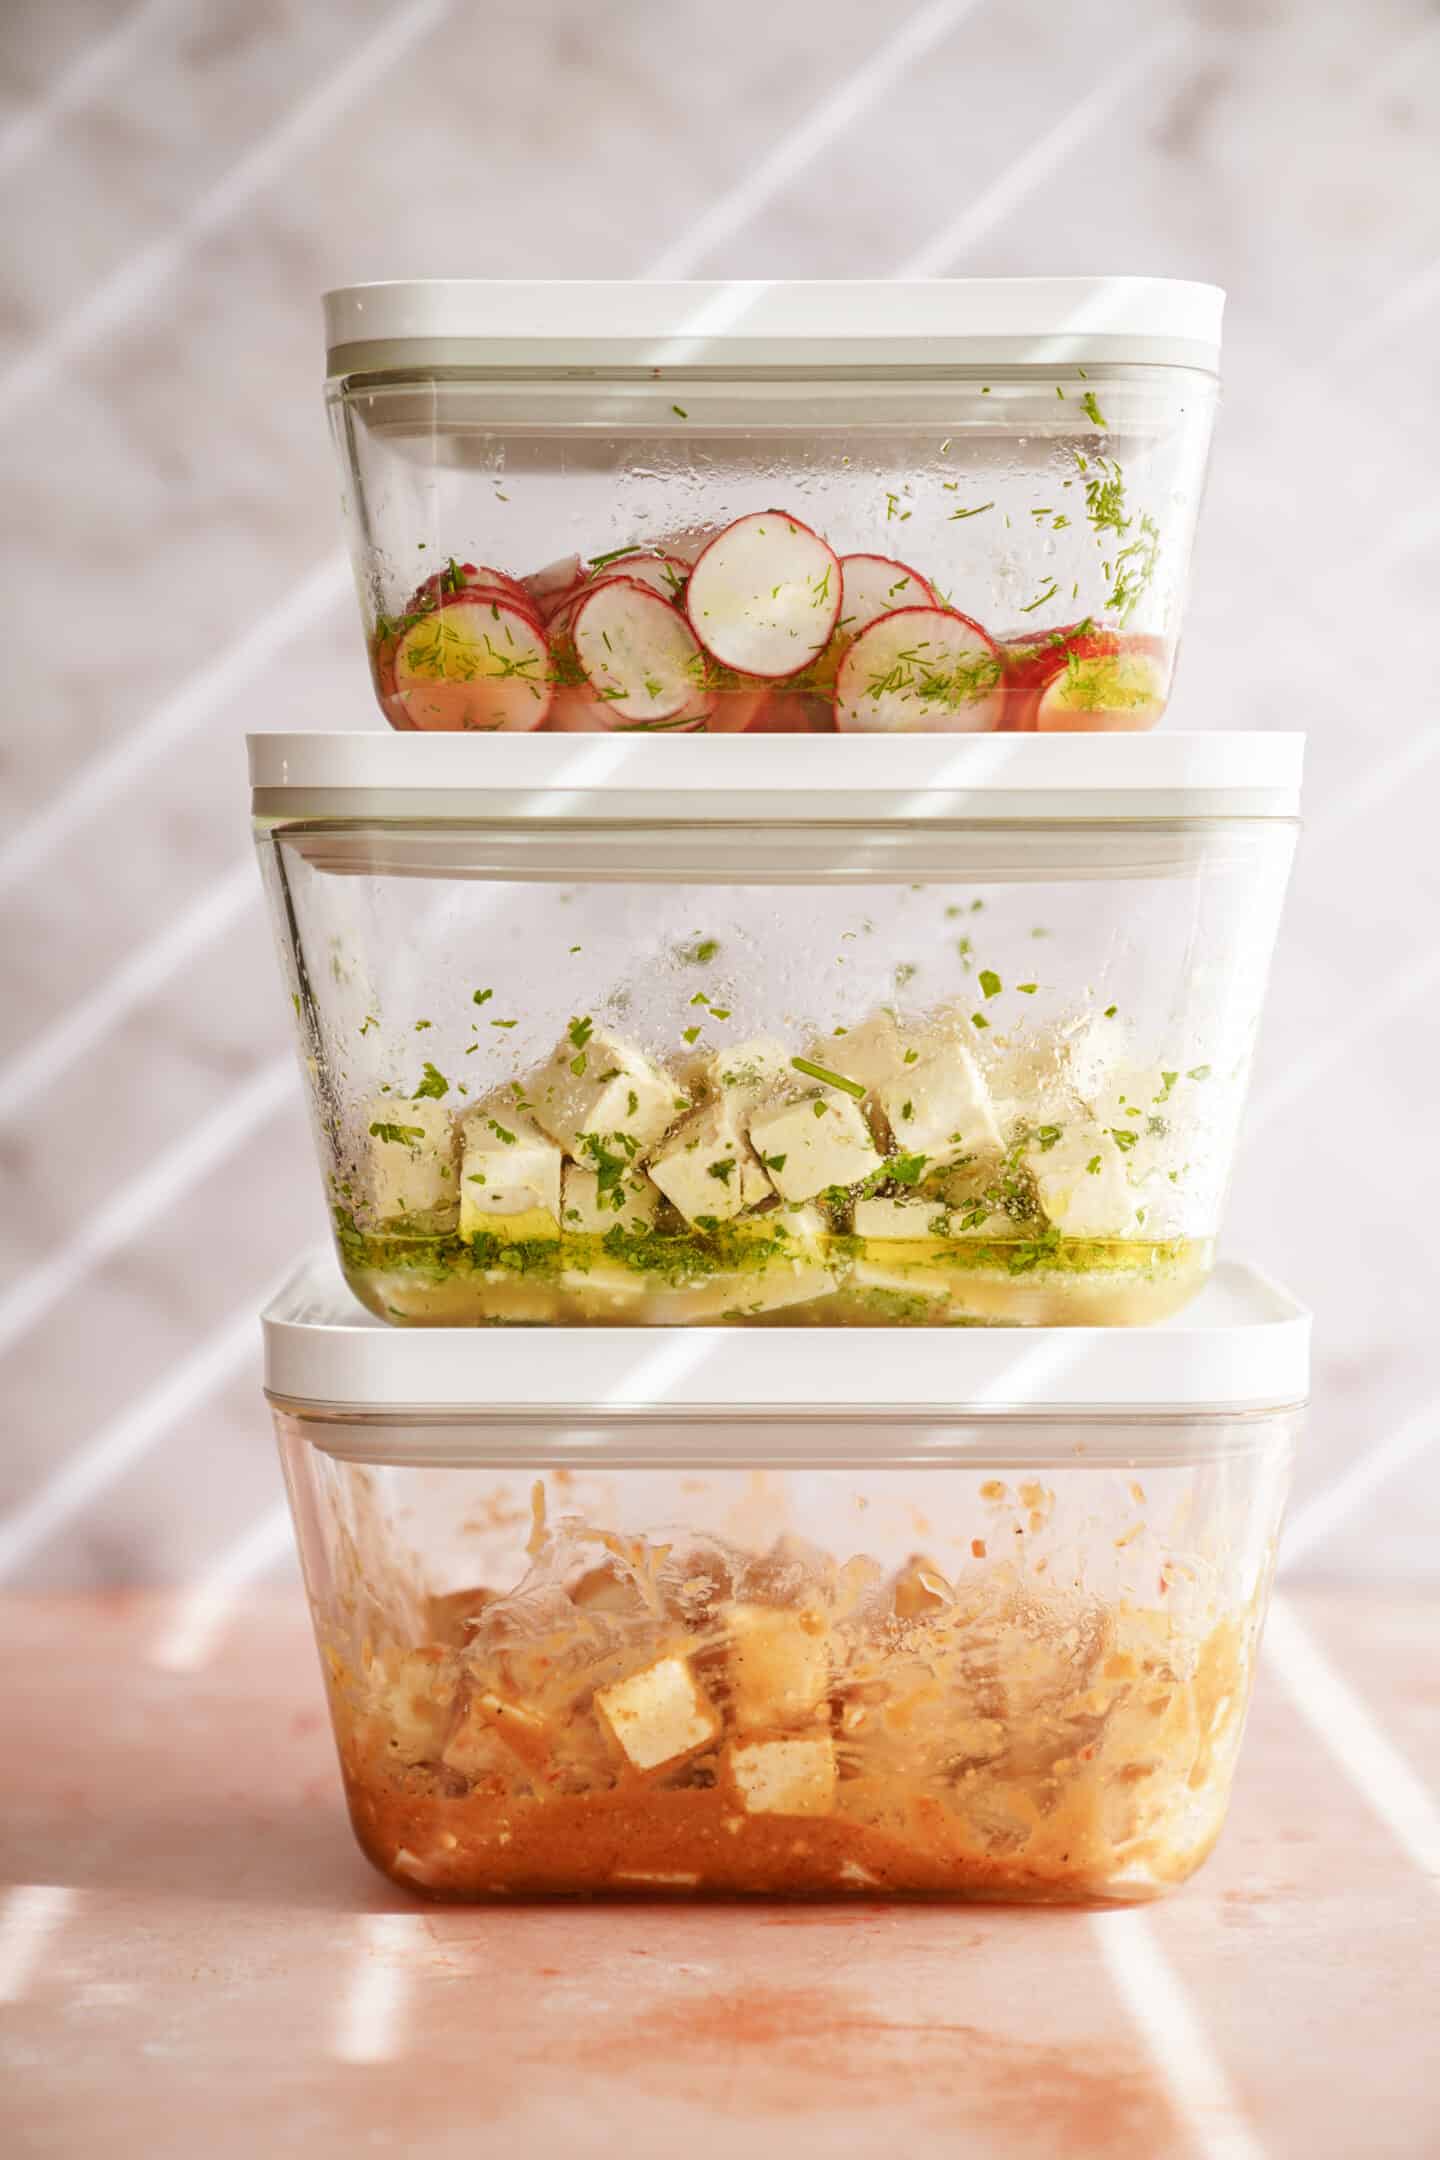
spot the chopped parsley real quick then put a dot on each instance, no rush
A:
(812, 1071)
(433, 1086)
(482, 997)
(990, 982)
(1092, 411)
(400, 1135)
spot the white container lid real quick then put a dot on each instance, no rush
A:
(721, 779)
(1242, 1345)
(870, 322)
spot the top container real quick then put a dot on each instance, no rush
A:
(939, 507)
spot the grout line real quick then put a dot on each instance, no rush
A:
(800, 148)
(377, 1994)
(88, 1020)
(1367, 1757)
(134, 1207)
(126, 1438)
(23, 136)
(29, 1916)
(1035, 165)
(203, 693)
(137, 281)
(1175, 2036)
(202, 1609)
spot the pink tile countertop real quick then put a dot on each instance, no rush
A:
(194, 1958)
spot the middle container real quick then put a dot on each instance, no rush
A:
(937, 1033)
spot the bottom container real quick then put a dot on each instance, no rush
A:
(974, 1616)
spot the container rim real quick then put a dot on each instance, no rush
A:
(1242, 1346)
(597, 324)
(716, 779)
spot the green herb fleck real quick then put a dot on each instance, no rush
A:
(482, 997)
(812, 1071)
(434, 1085)
(1092, 411)
(990, 982)
(402, 1135)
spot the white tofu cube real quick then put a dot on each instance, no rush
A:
(819, 1141)
(910, 1216)
(1080, 1182)
(658, 1715)
(408, 1159)
(794, 1776)
(605, 1090)
(749, 1071)
(707, 1168)
(414, 1701)
(778, 1663)
(871, 1053)
(489, 1723)
(1091, 1050)
(629, 1202)
(509, 1174)
(940, 1107)
(787, 1236)
(901, 1279)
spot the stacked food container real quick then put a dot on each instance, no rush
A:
(781, 1427)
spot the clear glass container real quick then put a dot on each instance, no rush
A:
(983, 1629)
(955, 506)
(582, 1050)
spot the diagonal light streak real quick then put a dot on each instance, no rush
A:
(141, 1426)
(208, 691)
(121, 295)
(1404, 986)
(206, 1605)
(135, 1207)
(1172, 2028)
(30, 1913)
(102, 57)
(1034, 167)
(89, 1020)
(369, 2027)
(1344, 1725)
(1332, 1508)
(798, 150)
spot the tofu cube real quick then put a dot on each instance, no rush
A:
(792, 1776)
(408, 1159)
(748, 1071)
(871, 1053)
(778, 1664)
(608, 1091)
(658, 1715)
(910, 1216)
(489, 1722)
(415, 1701)
(707, 1169)
(509, 1175)
(628, 1202)
(911, 1280)
(940, 1107)
(819, 1141)
(787, 1236)
(1081, 1184)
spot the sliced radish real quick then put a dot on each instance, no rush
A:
(638, 654)
(764, 596)
(920, 671)
(556, 579)
(575, 710)
(1103, 684)
(664, 574)
(876, 585)
(457, 578)
(474, 664)
(382, 668)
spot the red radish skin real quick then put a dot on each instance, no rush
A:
(436, 590)
(764, 596)
(639, 655)
(552, 582)
(876, 585)
(474, 666)
(664, 574)
(920, 671)
(1103, 683)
